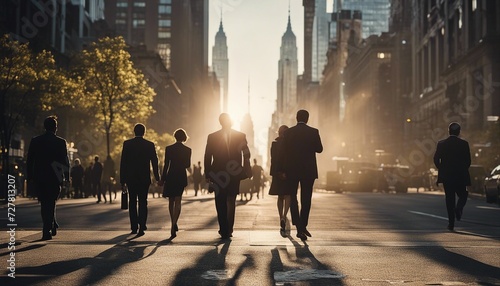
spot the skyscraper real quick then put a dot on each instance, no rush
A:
(220, 64)
(287, 77)
(376, 14)
(316, 38)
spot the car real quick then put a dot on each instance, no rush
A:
(477, 176)
(492, 186)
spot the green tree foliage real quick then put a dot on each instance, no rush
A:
(113, 91)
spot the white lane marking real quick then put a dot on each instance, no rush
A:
(430, 215)
(305, 274)
(488, 208)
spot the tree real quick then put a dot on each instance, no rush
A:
(112, 89)
(26, 79)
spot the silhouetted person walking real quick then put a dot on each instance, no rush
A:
(77, 179)
(108, 177)
(47, 169)
(279, 183)
(138, 156)
(174, 177)
(257, 178)
(301, 143)
(87, 181)
(452, 159)
(197, 178)
(96, 179)
(227, 161)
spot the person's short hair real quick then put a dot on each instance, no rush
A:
(180, 135)
(454, 128)
(77, 161)
(50, 123)
(302, 116)
(139, 129)
(96, 158)
(225, 119)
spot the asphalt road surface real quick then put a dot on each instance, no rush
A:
(357, 239)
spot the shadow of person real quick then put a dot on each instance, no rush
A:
(209, 269)
(101, 266)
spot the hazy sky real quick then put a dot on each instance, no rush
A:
(254, 29)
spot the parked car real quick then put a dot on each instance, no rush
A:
(492, 186)
(477, 176)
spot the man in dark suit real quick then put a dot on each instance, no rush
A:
(47, 169)
(301, 143)
(452, 159)
(227, 161)
(138, 155)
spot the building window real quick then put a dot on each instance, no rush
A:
(164, 35)
(139, 4)
(164, 9)
(122, 4)
(120, 22)
(165, 1)
(164, 23)
(138, 23)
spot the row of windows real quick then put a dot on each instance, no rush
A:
(164, 9)
(164, 23)
(124, 4)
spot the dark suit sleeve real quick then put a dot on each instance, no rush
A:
(437, 156)
(30, 162)
(188, 159)
(318, 144)
(64, 159)
(123, 164)
(154, 162)
(166, 163)
(208, 157)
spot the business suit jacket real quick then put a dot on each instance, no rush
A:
(231, 162)
(47, 165)
(301, 143)
(137, 155)
(177, 159)
(452, 159)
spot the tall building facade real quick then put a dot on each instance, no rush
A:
(286, 102)
(375, 14)
(316, 38)
(220, 64)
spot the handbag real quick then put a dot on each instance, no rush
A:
(124, 198)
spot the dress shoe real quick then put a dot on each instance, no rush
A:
(282, 224)
(302, 236)
(306, 232)
(458, 214)
(97, 202)
(47, 236)
(450, 227)
(54, 229)
(134, 231)
(140, 233)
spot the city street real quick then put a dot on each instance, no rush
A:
(357, 239)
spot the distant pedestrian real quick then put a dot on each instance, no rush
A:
(227, 162)
(279, 182)
(96, 179)
(108, 178)
(138, 157)
(257, 173)
(174, 177)
(76, 174)
(47, 169)
(301, 143)
(452, 159)
(197, 178)
(87, 181)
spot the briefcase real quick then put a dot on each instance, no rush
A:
(124, 198)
